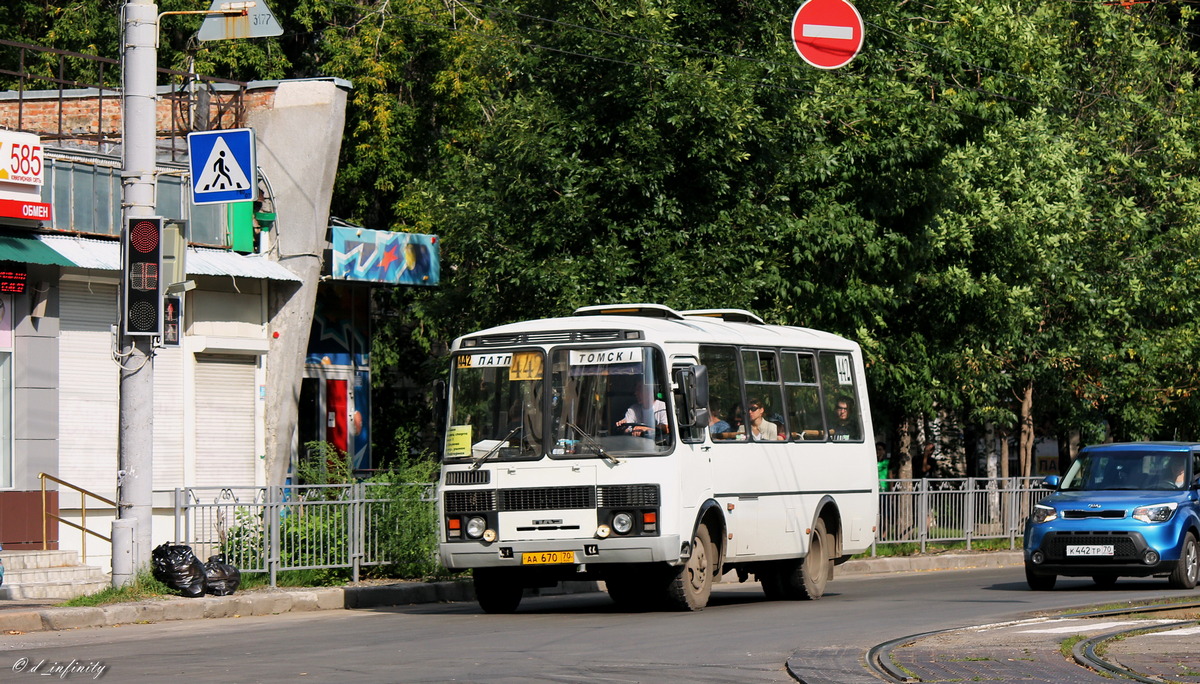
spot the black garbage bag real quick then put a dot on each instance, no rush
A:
(221, 577)
(176, 566)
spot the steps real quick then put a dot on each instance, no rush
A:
(49, 575)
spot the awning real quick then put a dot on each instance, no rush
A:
(30, 250)
(106, 255)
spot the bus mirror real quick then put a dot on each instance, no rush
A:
(693, 380)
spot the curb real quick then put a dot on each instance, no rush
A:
(277, 601)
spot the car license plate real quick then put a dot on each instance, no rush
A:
(1090, 550)
(547, 557)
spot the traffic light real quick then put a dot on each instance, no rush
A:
(143, 285)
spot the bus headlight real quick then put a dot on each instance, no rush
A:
(1155, 513)
(475, 527)
(622, 523)
(1042, 514)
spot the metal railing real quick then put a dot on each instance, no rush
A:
(47, 516)
(940, 510)
(195, 102)
(310, 527)
(274, 529)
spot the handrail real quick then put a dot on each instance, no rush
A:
(82, 515)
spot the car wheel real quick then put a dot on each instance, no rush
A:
(1039, 582)
(1187, 568)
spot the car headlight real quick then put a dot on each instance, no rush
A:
(1155, 513)
(1042, 514)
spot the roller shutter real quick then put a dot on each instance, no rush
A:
(88, 387)
(225, 454)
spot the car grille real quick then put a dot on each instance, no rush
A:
(1084, 514)
(1124, 550)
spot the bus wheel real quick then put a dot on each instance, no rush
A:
(496, 591)
(806, 578)
(692, 583)
(632, 593)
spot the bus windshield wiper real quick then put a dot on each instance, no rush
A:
(593, 444)
(494, 450)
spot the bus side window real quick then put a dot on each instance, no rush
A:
(803, 396)
(724, 392)
(762, 387)
(843, 415)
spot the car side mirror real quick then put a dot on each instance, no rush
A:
(1051, 482)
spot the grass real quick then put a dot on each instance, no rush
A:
(143, 587)
(914, 548)
(1067, 647)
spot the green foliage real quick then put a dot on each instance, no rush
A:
(407, 520)
(144, 586)
(986, 198)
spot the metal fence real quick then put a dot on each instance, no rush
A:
(926, 511)
(272, 529)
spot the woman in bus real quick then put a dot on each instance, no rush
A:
(761, 428)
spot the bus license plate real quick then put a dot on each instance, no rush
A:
(547, 557)
(1090, 550)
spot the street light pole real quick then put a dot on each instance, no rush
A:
(136, 419)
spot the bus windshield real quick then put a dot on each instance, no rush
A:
(496, 406)
(609, 401)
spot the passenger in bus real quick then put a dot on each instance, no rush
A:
(762, 429)
(845, 420)
(643, 418)
(716, 424)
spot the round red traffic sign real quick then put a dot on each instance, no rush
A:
(827, 33)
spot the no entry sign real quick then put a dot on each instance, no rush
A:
(827, 33)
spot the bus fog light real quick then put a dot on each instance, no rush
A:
(1151, 557)
(475, 527)
(489, 535)
(622, 522)
(603, 531)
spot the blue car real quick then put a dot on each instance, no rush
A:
(1122, 510)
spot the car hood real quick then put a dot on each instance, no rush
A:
(1111, 499)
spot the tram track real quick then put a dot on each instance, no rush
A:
(1085, 652)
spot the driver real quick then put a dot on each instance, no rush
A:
(642, 417)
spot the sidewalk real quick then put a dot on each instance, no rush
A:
(32, 615)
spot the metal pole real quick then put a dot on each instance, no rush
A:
(136, 422)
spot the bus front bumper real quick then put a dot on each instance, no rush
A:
(465, 555)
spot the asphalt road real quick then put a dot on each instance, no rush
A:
(740, 637)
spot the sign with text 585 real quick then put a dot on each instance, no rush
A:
(20, 158)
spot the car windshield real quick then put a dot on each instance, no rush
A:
(609, 401)
(1128, 470)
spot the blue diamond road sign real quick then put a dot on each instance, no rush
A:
(223, 166)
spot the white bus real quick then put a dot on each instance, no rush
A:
(655, 450)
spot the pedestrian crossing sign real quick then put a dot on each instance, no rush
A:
(223, 166)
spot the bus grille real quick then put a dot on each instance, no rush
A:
(547, 498)
(468, 477)
(627, 496)
(473, 501)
